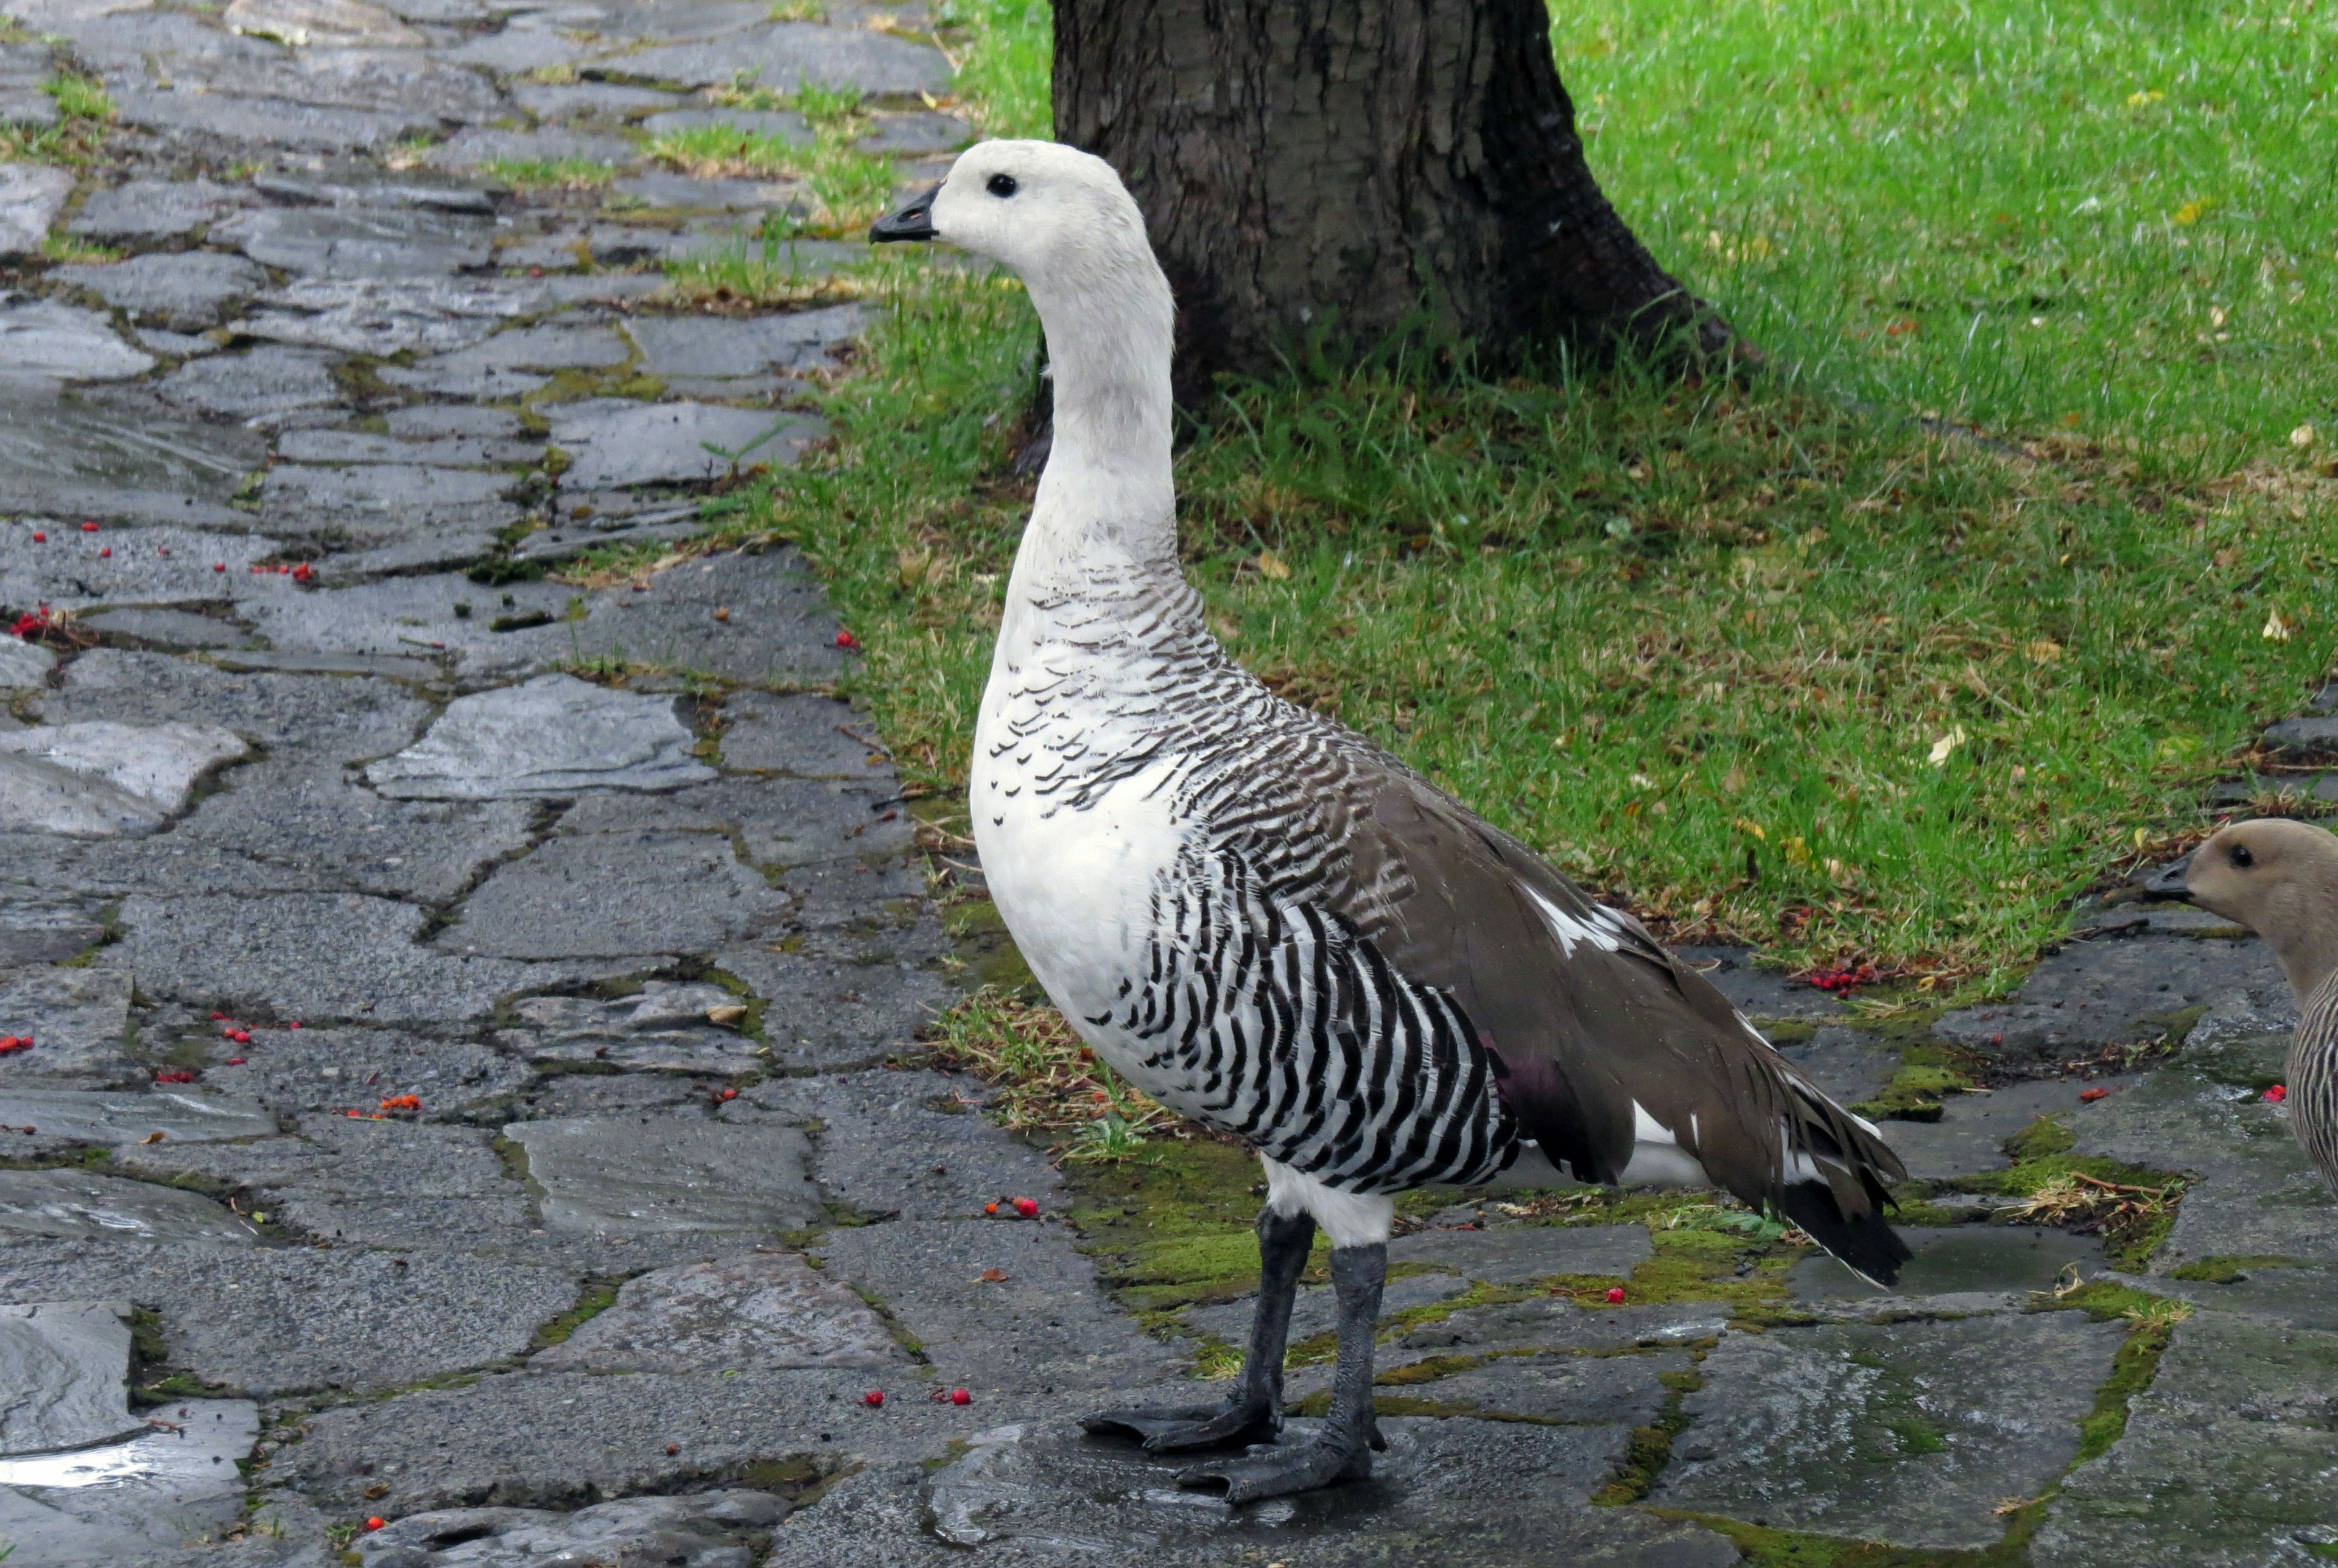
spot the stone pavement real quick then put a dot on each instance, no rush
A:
(471, 1079)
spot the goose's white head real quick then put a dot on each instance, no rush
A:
(1058, 217)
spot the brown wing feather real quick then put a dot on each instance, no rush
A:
(1583, 1036)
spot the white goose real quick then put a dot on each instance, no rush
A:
(1273, 926)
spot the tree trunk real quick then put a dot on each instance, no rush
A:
(1350, 170)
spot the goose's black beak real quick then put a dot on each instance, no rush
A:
(2168, 883)
(915, 221)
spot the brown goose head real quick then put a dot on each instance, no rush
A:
(2279, 879)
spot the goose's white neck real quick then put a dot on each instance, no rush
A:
(1106, 502)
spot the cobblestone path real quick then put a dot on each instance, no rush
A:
(471, 1082)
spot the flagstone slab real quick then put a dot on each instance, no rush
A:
(31, 197)
(805, 734)
(832, 1007)
(556, 103)
(24, 664)
(784, 55)
(42, 924)
(682, 893)
(666, 1026)
(778, 630)
(184, 292)
(669, 1175)
(553, 736)
(2112, 990)
(1512, 1254)
(64, 1375)
(500, 367)
(100, 778)
(1905, 1433)
(615, 442)
(215, 117)
(764, 1310)
(74, 1204)
(180, 1114)
(114, 452)
(65, 343)
(134, 1502)
(480, 146)
(255, 383)
(334, 1070)
(703, 1530)
(149, 566)
(707, 346)
(143, 208)
(384, 242)
(275, 1320)
(2230, 1459)
(77, 1019)
(387, 316)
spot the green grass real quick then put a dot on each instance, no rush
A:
(78, 97)
(550, 173)
(1774, 663)
(849, 189)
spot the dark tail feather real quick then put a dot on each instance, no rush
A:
(1864, 1243)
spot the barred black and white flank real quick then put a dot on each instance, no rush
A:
(1275, 926)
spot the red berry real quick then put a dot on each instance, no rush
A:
(2091, 1095)
(960, 1396)
(874, 1396)
(106, 553)
(219, 1017)
(220, 567)
(729, 1093)
(2277, 1095)
(235, 1061)
(40, 538)
(1027, 1207)
(847, 641)
(1614, 1296)
(990, 1208)
(89, 527)
(375, 1523)
(294, 1025)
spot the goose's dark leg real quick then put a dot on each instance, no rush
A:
(1343, 1450)
(1253, 1411)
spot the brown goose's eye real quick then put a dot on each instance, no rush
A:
(2241, 857)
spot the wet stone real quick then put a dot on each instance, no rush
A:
(1316, 1310)
(516, 50)
(1555, 1323)
(271, 1320)
(426, 419)
(383, 499)
(1513, 1254)
(134, 1502)
(1970, 1137)
(828, 1010)
(1756, 992)
(2112, 991)
(365, 79)
(148, 564)
(914, 1145)
(333, 1070)
(706, 346)
(212, 118)
(385, 317)
(104, 780)
(1046, 1326)
(320, 22)
(685, 893)
(77, 1019)
(321, 819)
(780, 629)
(439, 616)
(615, 442)
(916, 132)
(184, 292)
(23, 68)
(75, 1205)
(766, 1310)
(806, 734)
(668, 1176)
(703, 1530)
(1467, 1494)
(65, 1365)
(588, 100)
(1849, 1066)
(683, 193)
(783, 822)
(501, 367)
(67, 343)
(46, 925)
(2230, 1459)
(343, 720)
(356, 242)
(269, 951)
(143, 209)
(112, 452)
(1961, 1259)
(1907, 1433)
(66, 1116)
(665, 1027)
(31, 197)
(445, 452)
(553, 736)
(1586, 1390)
(785, 55)
(24, 664)
(2315, 735)
(255, 384)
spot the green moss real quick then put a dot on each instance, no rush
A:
(1651, 1447)
(2043, 1137)
(1927, 1076)
(1175, 1226)
(1762, 1547)
(2132, 1370)
(598, 1295)
(1702, 1265)
(2227, 1271)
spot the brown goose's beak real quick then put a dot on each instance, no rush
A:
(915, 221)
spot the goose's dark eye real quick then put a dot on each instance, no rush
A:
(1002, 185)
(2241, 857)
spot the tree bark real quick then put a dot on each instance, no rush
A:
(1347, 173)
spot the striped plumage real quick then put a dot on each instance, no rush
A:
(1275, 926)
(2279, 877)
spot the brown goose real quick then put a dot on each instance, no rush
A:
(2280, 878)
(1275, 927)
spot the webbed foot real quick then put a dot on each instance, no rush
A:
(1279, 1471)
(1177, 1431)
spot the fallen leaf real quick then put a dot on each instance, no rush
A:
(1946, 744)
(2276, 630)
(991, 1277)
(1273, 567)
(727, 1016)
(152, 1138)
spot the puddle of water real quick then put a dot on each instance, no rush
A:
(189, 1442)
(1960, 1257)
(99, 1507)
